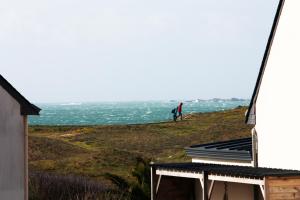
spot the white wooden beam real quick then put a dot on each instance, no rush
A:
(236, 179)
(211, 188)
(201, 182)
(232, 179)
(179, 174)
(262, 189)
(157, 186)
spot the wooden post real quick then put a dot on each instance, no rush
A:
(151, 170)
(153, 193)
(254, 148)
(204, 186)
(256, 192)
(266, 187)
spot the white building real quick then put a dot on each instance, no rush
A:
(14, 109)
(266, 165)
(274, 108)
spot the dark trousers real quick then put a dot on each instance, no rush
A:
(180, 115)
(175, 117)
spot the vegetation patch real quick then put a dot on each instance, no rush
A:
(92, 151)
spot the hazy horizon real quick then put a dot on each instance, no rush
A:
(100, 51)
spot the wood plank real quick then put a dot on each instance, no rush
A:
(266, 186)
(284, 196)
(289, 189)
(279, 178)
(284, 182)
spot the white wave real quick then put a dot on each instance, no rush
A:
(149, 111)
(71, 104)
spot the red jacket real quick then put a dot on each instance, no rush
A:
(180, 108)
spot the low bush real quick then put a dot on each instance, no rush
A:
(47, 186)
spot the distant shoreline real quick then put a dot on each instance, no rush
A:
(141, 101)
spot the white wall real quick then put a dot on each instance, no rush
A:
(222, 162)
(11, 148)
(278, 103)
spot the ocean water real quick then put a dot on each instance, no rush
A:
(124, 112)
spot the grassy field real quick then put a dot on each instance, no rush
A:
(93, 150)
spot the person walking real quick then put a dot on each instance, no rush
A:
(174, 111)
(179, 110)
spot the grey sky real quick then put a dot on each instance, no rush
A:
(96, 50)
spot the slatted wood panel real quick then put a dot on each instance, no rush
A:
(287, 188)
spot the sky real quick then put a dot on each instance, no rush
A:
(133, 50)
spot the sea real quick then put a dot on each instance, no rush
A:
(134, 112)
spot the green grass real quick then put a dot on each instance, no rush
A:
(94, 150)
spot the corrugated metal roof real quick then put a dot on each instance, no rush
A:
(240, 149)
(226, 170)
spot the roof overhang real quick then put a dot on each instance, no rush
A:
(224, 173)
(26, 107)
(255, 173)
(251, 113)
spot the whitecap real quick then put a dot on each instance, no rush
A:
(71, 104)
(148, 112)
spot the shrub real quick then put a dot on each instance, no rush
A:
(139, 189)
(47, 186)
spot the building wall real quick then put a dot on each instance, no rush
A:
(11, 148)
(223, 162)
(235, 191)
(283, 188)
(277, 106)
(173, 188)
